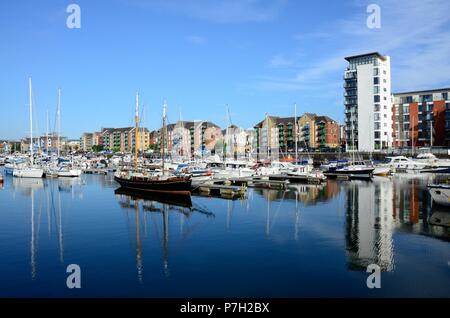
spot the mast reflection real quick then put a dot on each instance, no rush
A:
(157, 204)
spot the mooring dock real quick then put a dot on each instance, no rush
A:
(296, 179)
(340, 176)
(95, 171)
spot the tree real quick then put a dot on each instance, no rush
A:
(97, 148)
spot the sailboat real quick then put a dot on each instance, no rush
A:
(153, 181)
(30, 171)
(355, 168)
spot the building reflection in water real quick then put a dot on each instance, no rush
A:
(374, 210)
(164, 205)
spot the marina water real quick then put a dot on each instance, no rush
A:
(309, 241)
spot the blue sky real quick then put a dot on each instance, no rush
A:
(256, 56)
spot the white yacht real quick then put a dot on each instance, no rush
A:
(432, 161)
(30, 171)
(403, 163)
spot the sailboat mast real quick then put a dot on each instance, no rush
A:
(295, 132)
(268, 140)
(136, 137)
(412, 142)
(31, 122)
(46, 135)
(59, 121)
(163, 134)
(431, 134)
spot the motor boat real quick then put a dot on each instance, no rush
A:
(355, 168)
(403, 163)
(68, 172)
(431, 160)
(440, 193)
(381, 171)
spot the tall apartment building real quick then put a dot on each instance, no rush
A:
(368, 105)
(421, 118)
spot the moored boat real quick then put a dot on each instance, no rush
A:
(440, 193)
(154, 182)
(28, 173)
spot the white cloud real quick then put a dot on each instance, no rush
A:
(195, 39)
(280, 60)
(413, 32)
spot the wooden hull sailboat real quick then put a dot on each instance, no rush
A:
(176, 185)
(138, 180)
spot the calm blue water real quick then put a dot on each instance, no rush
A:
(312, 241)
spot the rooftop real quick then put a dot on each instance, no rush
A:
(436, 90)
(382, 57)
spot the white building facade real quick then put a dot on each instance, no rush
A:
(368, 102)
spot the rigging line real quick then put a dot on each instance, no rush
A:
(274, 218)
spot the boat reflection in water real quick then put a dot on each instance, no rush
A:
(45, 197)
(143, 202)
(375, 210)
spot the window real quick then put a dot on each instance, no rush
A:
(377, 135)
(377, 126)
(409, 99)
(376, 116)
(426, 98)
(376, 80)
(377, 107)
(384, 81)
(376, 98)
(376, 89)
(376, 71)
(445, 96)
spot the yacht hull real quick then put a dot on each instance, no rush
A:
(28, 173)
(174, 185)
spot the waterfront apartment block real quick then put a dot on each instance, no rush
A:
(421, 118)
(123, 139)
(313, 132)
(88, 140)
(367, 100)
(188, 138)
(307, 131)
(45, 143)
(327, 132)
(266, 142)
